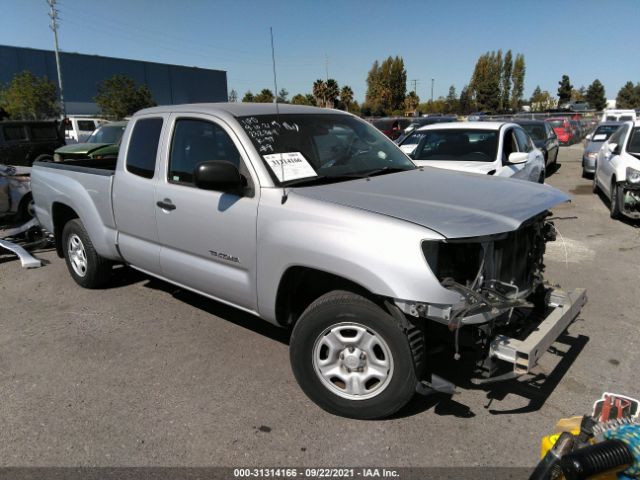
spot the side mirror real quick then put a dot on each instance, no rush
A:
(612, 147)
(589, 136)
(518, 157)
(218, 175)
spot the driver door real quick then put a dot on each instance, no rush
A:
(609, 159)
(207, 238)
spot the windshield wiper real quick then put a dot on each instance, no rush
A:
(384, 170)
(319, 180)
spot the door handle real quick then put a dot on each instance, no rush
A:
(166, 204)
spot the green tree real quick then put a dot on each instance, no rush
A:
(233, 96)
(596, 96)
(507, 71)
(386, 86)
(248, 97)
(265, 96)
(564, 90)
(541, 100)
(282, 95)
(332, 93)
(452, 100)
(628, 96)
(320, 93)
(411, 102)
(486, 81)
(28, 97)
(577, 95)
(300, 99)
(517, 81)
(465, 103)
(346, 97)
(118, 97)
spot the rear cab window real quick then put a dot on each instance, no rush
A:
(143, 147)
(44, 132)
(86, 125)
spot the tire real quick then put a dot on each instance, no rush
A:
(542, 177)
(26, 208)
(385, 357)
(44, 158)
(594, 185)
(615, 201)
(88, 269)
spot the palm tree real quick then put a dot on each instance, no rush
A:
(333, 91)
(320, 92)
(346, 96)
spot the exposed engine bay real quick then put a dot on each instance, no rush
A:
(506, 311)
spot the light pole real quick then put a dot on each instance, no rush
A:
(53, 14)
(432, 90)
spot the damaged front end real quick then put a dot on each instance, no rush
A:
(630, 199)
(511, 314)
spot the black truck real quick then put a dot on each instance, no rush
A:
(23, 142)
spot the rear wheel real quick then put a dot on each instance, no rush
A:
(26, 209)
(354, 359)
(88, 269)
(594, 185)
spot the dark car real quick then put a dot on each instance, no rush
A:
(392, 127)
(24, 142)
(421, 122)
(544, 138)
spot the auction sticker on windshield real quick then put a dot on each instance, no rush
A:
(289, 166)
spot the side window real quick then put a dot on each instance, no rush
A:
(195, 141)
(524, 144)
(44, 132)
(509, 145)
(143, 147)
(14, 133)
(550, 133)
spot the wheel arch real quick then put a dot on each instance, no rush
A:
(299, 286)
(61, 214)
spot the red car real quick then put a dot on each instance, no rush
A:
(563, 129)
(392, 127)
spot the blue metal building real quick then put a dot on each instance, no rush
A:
(81, 74)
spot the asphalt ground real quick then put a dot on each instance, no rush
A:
(145, 374)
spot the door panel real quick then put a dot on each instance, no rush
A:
(134, 195)
(209, 239)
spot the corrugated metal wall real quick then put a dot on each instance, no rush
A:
(169, 84)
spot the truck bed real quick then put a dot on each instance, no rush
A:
(83, 186)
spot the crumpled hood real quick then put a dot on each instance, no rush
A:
(454, 204)
(81, 148)
(471, 167)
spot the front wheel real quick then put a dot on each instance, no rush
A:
(88, 269)
(354, 359)
(615, 201)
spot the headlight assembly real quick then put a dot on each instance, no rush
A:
(633, 175)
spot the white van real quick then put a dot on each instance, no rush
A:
(78, 129)
(618, 115)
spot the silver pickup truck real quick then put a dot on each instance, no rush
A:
(313, 220)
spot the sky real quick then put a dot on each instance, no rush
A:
(438, 39)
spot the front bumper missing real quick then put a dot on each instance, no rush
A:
(524, 354)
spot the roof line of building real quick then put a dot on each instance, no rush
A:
(62, 52)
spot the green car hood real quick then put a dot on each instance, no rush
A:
(82, 148)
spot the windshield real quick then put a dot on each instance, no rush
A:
(328, 146)
(535, 131)
(107, 134)
(603, 132)
(457, 144)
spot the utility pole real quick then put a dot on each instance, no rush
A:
(432, 90)
(53, 14)
(415, 85)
